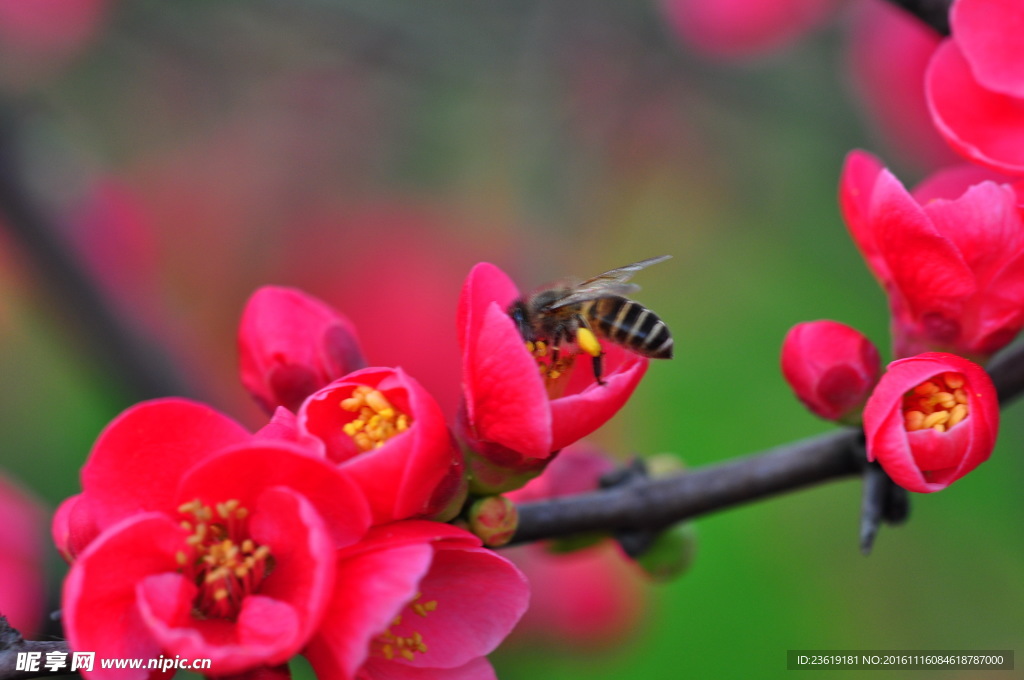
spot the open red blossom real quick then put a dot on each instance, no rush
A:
(831, 368)
(932, 419)
(291, 344)
(513, 415)
(389, 435)
(953, 268)
(975, 84)
(417, 600)
(193, 538)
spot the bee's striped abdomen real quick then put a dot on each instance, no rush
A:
(631, 325)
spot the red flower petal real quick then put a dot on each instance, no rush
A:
(984, 224)
(505, 397)
(984, 126)
(99, 604)
(141, 454)
(574, 416)
(266, 629)
(484, 284)
(951, 183)
(244, 472)
(988, 32)
(74, 526)
(924, 265)
(372, 587)
(480, 595)
(856, 187)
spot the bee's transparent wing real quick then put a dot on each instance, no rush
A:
(612, 282)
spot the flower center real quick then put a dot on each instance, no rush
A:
(938, 403)
(404, 643)
(220, 558)
(376, 419)
(551, 364)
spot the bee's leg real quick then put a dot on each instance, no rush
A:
(587, 342)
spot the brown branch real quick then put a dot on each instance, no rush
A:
(12, 644)
(659, 503)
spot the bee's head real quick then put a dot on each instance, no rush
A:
(521, 316)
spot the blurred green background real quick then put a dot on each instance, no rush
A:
(372, 151)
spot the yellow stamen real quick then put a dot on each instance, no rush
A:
(939, 403)
(377, 419)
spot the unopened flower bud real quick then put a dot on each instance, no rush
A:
(494, 519)
(671, 554)
(291, 344)
(831, 368)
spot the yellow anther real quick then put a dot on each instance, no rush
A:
(957, 414)
(376, 421)
(542, 348)
(913, 420)
(181, 558)
(587, 341)
(954, 381)
(937, 418)
(351, 403)
(939, 403)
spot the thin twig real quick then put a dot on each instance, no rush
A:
(662, 502)
(12, 644)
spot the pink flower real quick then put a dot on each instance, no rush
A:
(22, 587)
(512, 416)
(417, 600)
(953, 267)
(888, 53)
(388, 434)
(975, 84)
(932, 419)
(831, 368)
(740, 28)
(203, 541)
(291, 344)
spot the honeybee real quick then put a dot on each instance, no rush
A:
(573, 314)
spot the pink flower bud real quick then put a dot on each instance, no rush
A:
(831, 368)
(932, 419)
(494, 519)
(291, 344)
